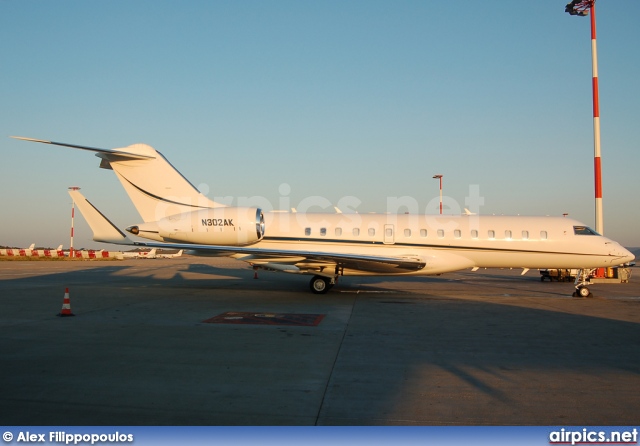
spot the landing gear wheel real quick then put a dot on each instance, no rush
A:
(320, 285)
(582, 280)
(583, 291)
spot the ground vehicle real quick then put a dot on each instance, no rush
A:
(559, 275)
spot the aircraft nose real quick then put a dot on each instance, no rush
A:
(625, 255)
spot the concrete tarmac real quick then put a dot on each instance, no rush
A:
(469, 348)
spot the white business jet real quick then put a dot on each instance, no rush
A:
(170, 256)
(177, 216)
(139, 254)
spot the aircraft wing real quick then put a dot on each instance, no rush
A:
(379, 264)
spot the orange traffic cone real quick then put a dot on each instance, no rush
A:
(66, 305)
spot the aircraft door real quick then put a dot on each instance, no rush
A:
(388, 235)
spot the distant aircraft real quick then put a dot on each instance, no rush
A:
(177, 216)
(151, 254)
(147, 255)
(29, 252)
(169, 256)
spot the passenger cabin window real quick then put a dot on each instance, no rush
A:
(491, 233)
(356, 231)
(338, 231)
(584, 230)
(507, 234)
(440, 233)
(372, 232)
(423, 232)
(323, 231)
(407, 232)
(543, 235)
(525, 235)
(307, 231)
(474, 233)
(457, 233)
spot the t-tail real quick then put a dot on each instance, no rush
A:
(155, 187)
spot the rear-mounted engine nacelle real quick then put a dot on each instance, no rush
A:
(229, 226)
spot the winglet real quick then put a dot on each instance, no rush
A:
(103, 229)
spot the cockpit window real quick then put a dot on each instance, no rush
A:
(584, 230)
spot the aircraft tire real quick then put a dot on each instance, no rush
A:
(319, 285)
(583, 291)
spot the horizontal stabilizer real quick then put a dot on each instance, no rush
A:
(119, 153)
(156, 188)
(103, 229)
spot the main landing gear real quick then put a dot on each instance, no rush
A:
(321, 284)
(582, 280)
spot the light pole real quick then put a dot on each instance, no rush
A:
(73, 208)
(583, 8)
(440, 178)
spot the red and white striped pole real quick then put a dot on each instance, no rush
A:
(73, 208)
(597, 166)
(579, 8)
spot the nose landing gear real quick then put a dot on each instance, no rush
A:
(582, 280)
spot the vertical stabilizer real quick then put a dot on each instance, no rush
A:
(155, 187)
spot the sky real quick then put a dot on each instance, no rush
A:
(365, 99)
